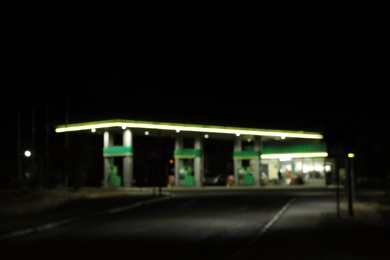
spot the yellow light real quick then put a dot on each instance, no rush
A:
(186, 127)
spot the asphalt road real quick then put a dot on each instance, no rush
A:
(214, 223)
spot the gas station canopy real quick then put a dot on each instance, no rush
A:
(162, 128)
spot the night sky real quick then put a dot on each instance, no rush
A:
(296, 65)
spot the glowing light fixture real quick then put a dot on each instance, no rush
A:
(186, 127)
(285, 156)
(27, 153)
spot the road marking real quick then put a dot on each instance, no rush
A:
(36, 229)
(63, 222)
(276, 217)
(265, 228)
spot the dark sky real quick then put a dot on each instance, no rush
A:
(280, 65)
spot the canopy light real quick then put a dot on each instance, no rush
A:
(185, 127)
(288, 156)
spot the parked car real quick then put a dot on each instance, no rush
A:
(214, 179)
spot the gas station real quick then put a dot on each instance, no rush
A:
(256, 152)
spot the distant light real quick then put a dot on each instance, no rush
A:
(282, 137)
(177, 131)
(351, 155)
(93, 130)
(123, 127)
(27, 153)
(206, 136)
(146, 132)
(249, 140)
(237, 134)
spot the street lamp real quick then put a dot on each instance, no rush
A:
(32, 174)
(27, 153)
(351, 183)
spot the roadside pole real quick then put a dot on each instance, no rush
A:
(351, 185)
(338, 193)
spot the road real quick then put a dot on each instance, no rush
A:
(214, 223)
(205, 224)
